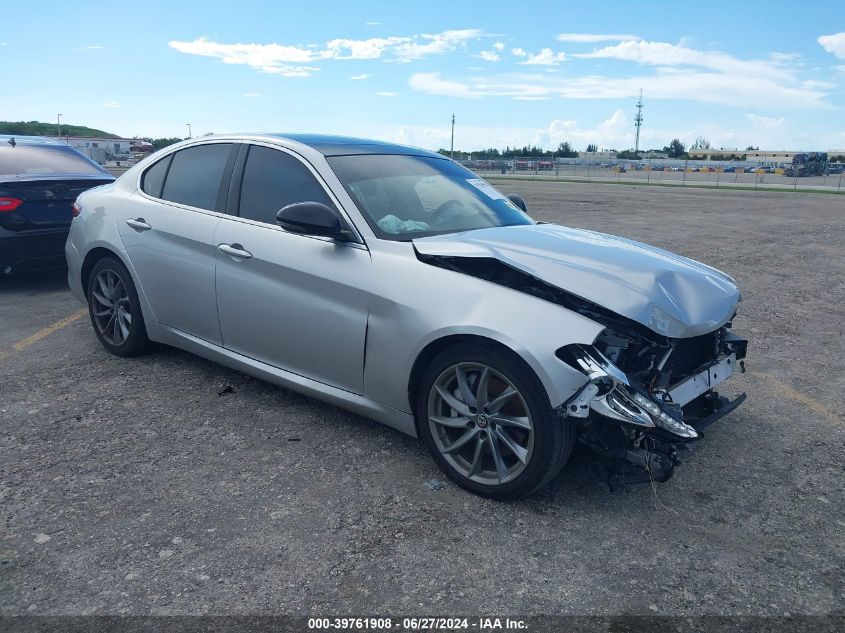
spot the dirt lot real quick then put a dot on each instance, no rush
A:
(131, 486)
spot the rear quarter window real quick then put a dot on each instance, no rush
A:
(153, 179)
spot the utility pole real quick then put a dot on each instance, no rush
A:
(452, 148)
(189, 130)
(638, 123)
(59, 121)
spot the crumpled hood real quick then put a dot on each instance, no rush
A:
(671, 295)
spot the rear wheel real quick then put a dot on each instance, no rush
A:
(115, 310)
(486, 418)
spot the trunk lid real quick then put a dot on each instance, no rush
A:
(46, 201)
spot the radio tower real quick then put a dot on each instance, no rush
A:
(638, 123)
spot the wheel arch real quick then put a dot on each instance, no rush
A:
(435, 347)
(91, 258)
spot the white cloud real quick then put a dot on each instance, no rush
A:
(765, 121)
(499, 46)
(4, 43)
(546, 57)
(371, 23)
(488, 56)
(614, 131)
(812, 84)
(432, 83)
(707, 87)
(290, 60)
(666, 54)
(611, 129)
(252, 95)
(360, 77)
(110, 104)
(387, 94)
(519, 52)
(267, 58)
(372, 48)
(785, 58)
(594, 37)
(435, 44)
(834, 44)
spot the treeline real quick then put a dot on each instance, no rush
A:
(564, 150)
(38, 128)
(159, 143)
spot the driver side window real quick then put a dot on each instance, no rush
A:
(273, 179)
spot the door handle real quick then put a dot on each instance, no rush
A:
(139, 224)
(235, 250)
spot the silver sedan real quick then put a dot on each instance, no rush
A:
(393, 282)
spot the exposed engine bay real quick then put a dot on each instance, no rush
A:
(646, 396)
(647, 399)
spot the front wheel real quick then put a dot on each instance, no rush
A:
(115, 310)
(487, 420)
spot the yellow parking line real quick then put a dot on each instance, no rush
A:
(811, 403)
(47, 331)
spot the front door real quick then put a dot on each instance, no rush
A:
(289, 300)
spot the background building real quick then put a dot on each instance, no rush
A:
(103, 150)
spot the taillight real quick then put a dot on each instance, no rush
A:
(9, 204)
(75, 209)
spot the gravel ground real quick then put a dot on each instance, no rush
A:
(131, 486)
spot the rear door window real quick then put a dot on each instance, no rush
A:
(195, 175)
(273, 179)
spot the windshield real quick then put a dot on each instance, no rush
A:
(45, 159)
(404, 197)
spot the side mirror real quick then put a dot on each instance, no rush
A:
(310, 218)
(518, 201)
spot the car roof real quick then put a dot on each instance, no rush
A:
(30, 140)
(330, 145)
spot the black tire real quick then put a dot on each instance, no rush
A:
(553, 437)
(136, 341)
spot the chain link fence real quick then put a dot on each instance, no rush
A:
(662, 171)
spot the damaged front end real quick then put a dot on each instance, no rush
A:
(650, 375)
(649, 397)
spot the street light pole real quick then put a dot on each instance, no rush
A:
(189, 130)
(59, 121)
(452, 147)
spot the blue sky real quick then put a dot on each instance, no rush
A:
(738, 73)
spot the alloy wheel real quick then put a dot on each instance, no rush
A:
(110, 307)
(480, 423)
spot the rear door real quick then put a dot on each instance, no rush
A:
(168, 229)
(294, 301)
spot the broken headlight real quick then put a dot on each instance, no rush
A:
(609, 393)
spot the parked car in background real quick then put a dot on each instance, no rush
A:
(39, 180)
(393, 282)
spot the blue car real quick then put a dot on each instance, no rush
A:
(40, 179)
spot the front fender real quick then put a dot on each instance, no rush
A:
(414, 304)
